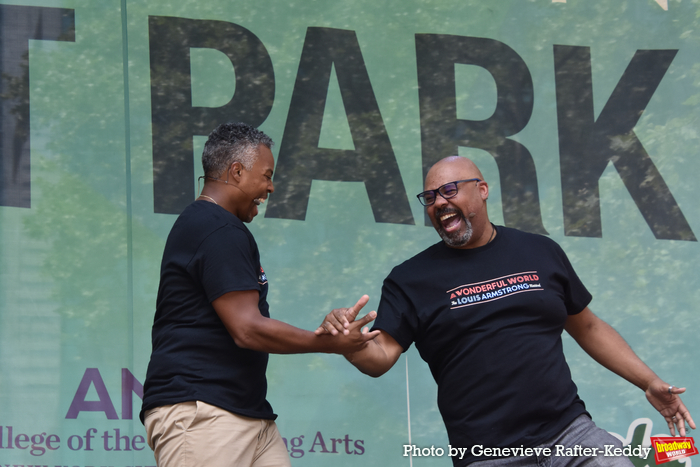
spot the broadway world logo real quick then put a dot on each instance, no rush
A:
(667, 449)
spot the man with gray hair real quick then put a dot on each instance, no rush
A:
(204, 398)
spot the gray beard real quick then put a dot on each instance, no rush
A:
(455, 240)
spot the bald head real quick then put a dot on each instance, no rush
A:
(450, 169)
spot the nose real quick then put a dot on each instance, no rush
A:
(439, 201)
(271, 187)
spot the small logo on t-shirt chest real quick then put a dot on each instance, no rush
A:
(262, 277)
(494, 289)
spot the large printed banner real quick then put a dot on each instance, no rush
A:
(584, 117)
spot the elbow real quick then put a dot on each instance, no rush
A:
(245, 339)
(250, 332)
(243, 342)
(372, 371)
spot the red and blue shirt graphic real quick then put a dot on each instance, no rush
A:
(495, 289)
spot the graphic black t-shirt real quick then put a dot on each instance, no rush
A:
(209, 252)
(488, 321)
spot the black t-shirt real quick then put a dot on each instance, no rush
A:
(488, 321)
(209, 252)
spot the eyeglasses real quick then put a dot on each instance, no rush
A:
(447, 191)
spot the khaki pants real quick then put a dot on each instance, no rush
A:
(193, 434)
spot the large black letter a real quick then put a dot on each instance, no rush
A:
(301, 160)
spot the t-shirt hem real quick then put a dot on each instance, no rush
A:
(234, 410)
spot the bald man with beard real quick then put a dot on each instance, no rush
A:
(486, 308)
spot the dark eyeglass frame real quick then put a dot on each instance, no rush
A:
(440, 191)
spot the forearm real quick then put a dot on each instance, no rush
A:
(273, 336)
(249, 329)
(607, 347)
(616, 355)
(377, 357)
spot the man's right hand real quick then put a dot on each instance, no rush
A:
(355, 338)
(378, 353)
(339, 319)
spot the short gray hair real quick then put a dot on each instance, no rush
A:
(229, 143)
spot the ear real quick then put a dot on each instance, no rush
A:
(235, 170)
(484, 190)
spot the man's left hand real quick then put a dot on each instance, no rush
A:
(666, 399)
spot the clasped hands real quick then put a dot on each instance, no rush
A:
(342, 321)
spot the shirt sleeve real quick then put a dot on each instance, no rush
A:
(227, 261)
(396, 314)
(576, 295)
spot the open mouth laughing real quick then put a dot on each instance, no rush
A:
(450, 221)
(449, 226)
